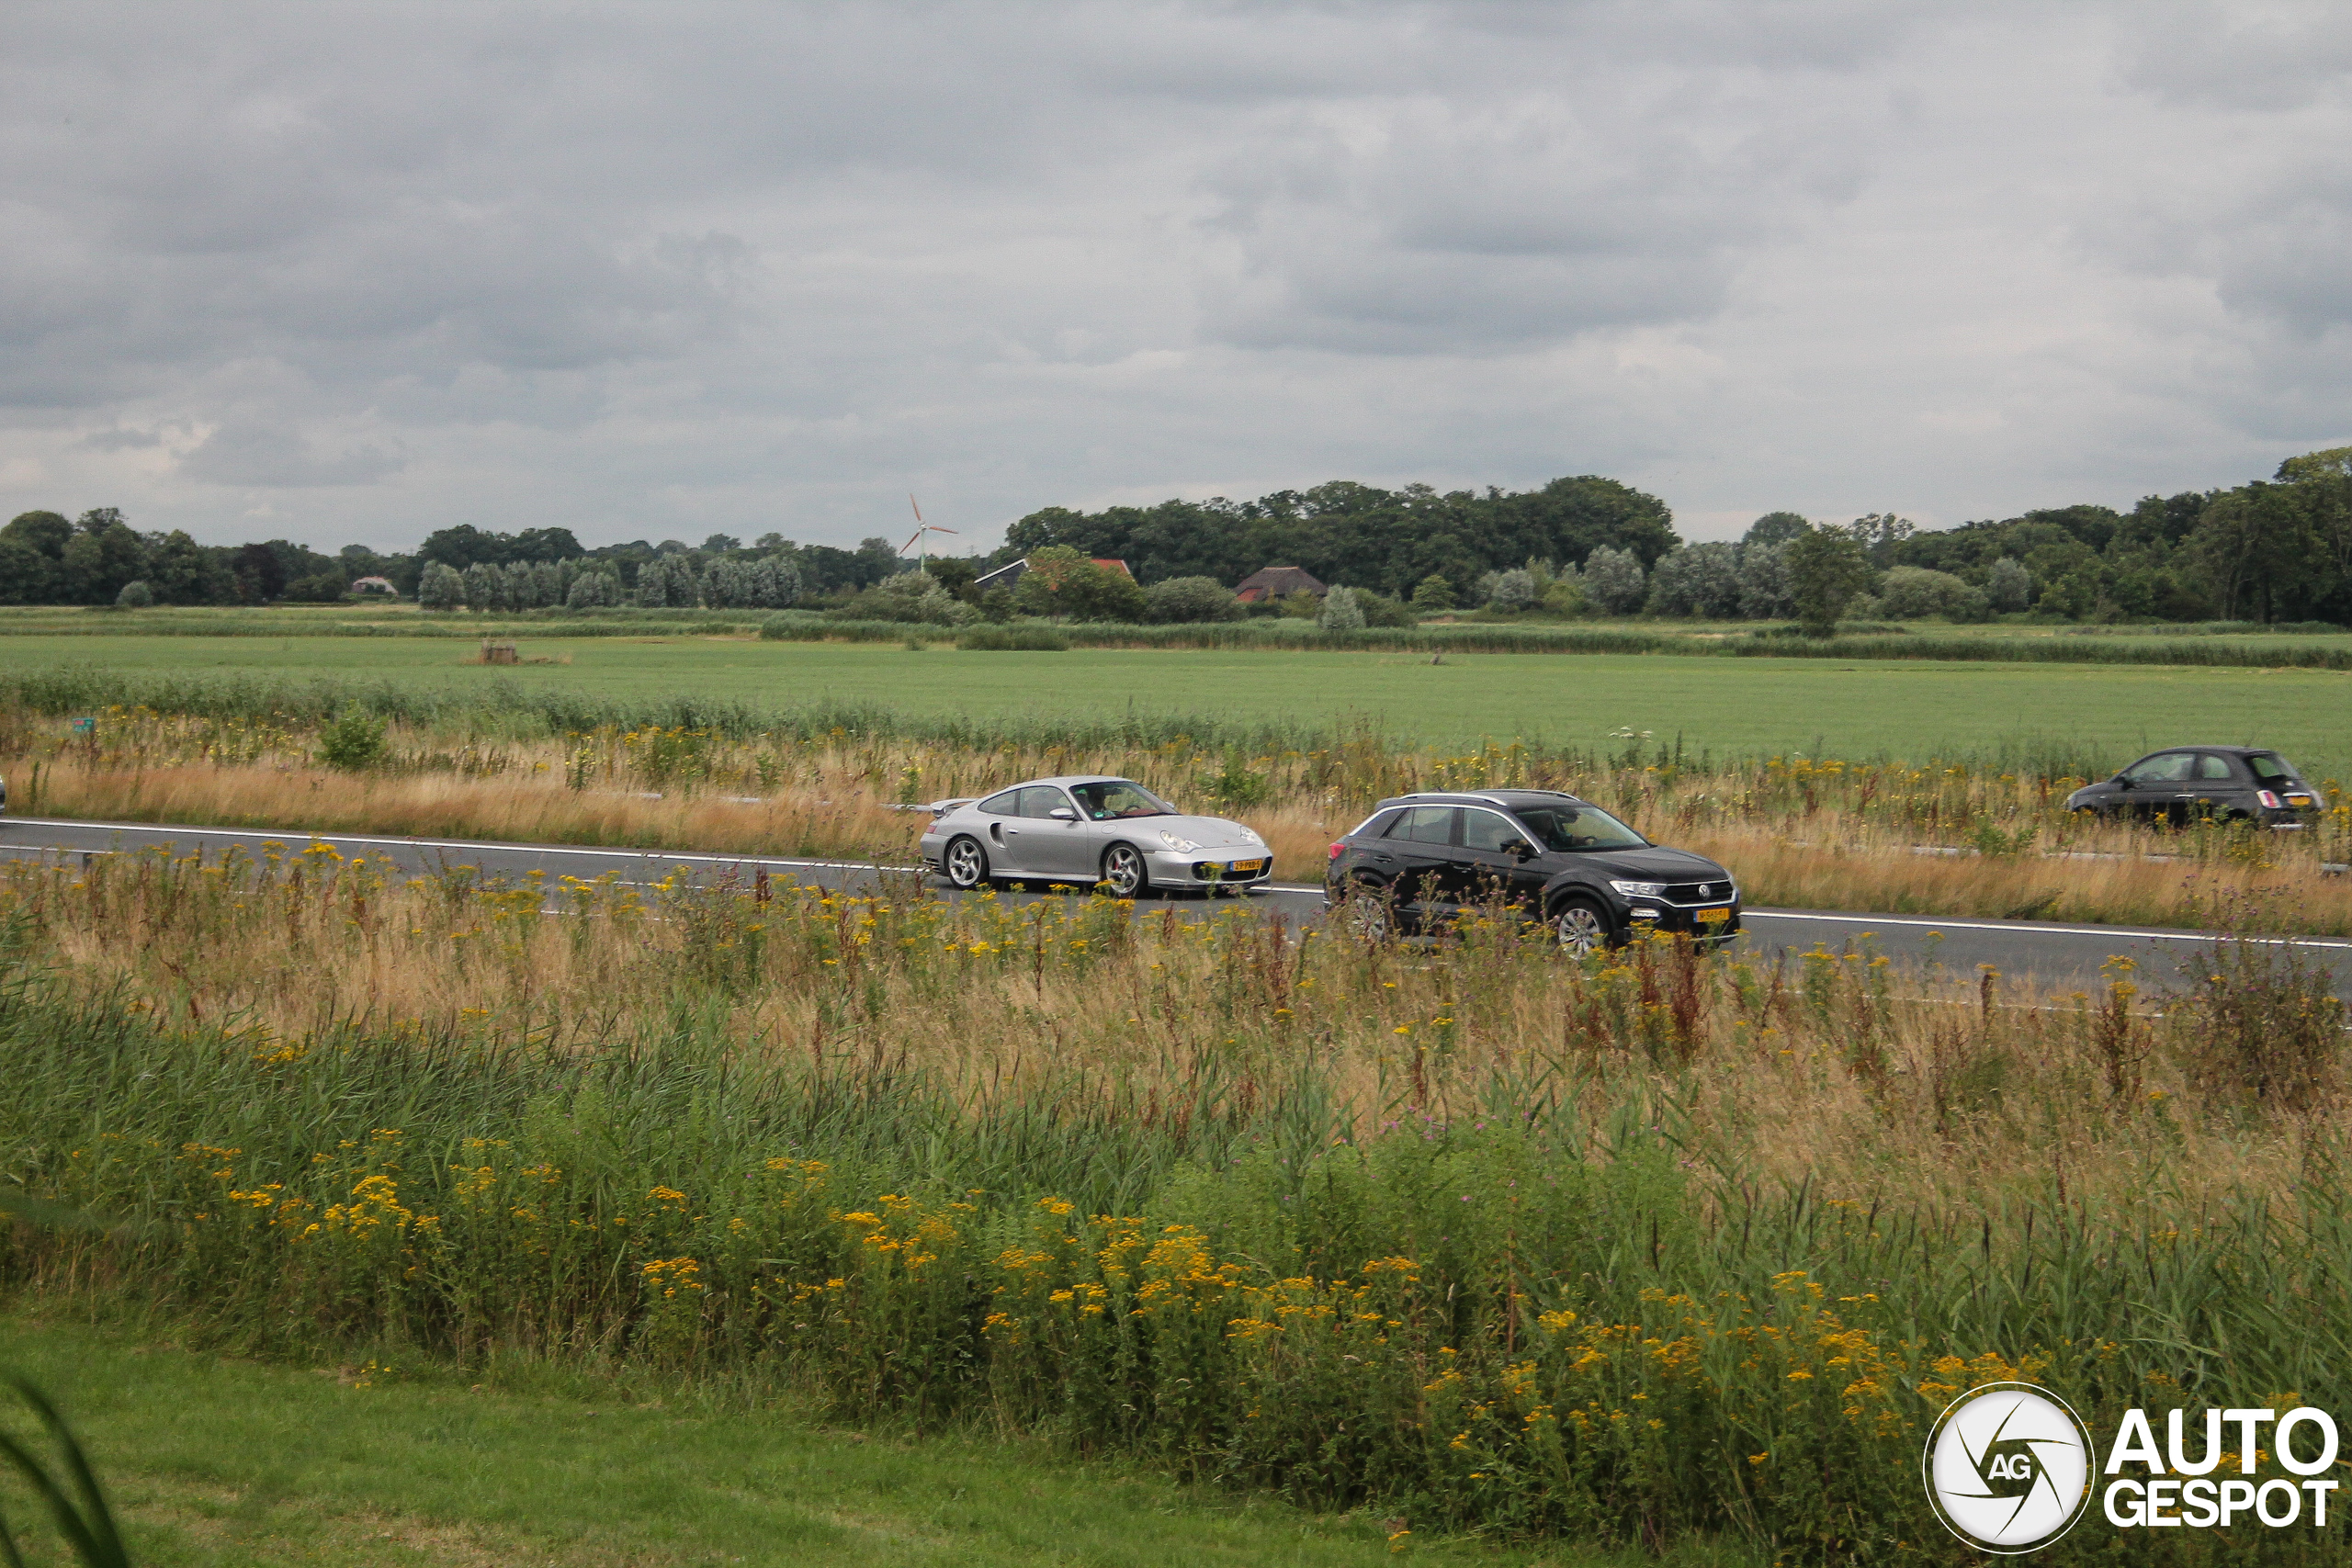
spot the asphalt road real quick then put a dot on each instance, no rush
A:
(2066, 957)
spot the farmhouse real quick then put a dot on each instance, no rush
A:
(1278, 582)
(380, 587)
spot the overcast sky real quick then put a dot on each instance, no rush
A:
(348, 272)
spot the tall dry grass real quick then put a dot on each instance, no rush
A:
(1799, 832)
(1812, 1071)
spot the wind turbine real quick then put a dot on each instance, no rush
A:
(919, 544)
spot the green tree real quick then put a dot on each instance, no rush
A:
(2256, 544)
(181, 572)
(1340, 612)
(27, 576)
(1061, 581)
(1190, 601)
(1826, 567)
(1433, 595)
(45, 533)
(102, 555)
(2330, 463)
(1774, 528)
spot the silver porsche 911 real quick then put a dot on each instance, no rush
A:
(1088, 829)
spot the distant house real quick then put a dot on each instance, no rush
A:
(1010, 575)
(1278, 582)
(376, 586)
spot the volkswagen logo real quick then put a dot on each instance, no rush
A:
(2008, 1467)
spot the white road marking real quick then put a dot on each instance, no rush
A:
(2127, 933)
(454, 844)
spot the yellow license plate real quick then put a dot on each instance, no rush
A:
(1247, 867)
(2298, 800)
(1714, 917)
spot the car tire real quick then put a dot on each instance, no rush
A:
(1580, 926)
(1365, 915)
(965, 864)
(1124, 873)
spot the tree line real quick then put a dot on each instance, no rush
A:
(99, 559)
(2274, 550)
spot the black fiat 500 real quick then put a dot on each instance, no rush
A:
(2183, 783)
(1419, 860)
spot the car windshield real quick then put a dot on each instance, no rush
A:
(1579, 828)
(1119, 797)
(2272, 769)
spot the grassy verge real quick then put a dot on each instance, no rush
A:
(1640, 1250)
(215, 1461)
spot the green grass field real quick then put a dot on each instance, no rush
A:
(1864, 709)
(214, 1461)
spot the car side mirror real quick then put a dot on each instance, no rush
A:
(1519, 849)
(1062, 814)
(2122, 782)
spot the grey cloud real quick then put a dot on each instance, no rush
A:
(271, 456)
(122, 440)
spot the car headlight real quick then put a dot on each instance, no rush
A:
(1640, 889)
(1181, 846)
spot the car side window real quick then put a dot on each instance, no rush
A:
(1039, 800)
(2271, 769)
(1378, 826)
(2211, 766)
(2165, 767)
(1488, 830)
(1426, 825)
(1005, 803)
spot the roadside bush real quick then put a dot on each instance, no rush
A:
(135, 596)
(1190, 600)
(354, 741)
(1379, 610)
(2268, 1022)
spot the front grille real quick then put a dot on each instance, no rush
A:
(1720, 892)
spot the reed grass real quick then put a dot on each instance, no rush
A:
(1857, 642)
(1628, 1250)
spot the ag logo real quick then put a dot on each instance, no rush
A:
(2008, 1467)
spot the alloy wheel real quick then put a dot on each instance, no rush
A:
(1122, 871)
(1365, 916)
(967, 864)
(1581, 928)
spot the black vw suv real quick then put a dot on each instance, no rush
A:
(1419, 860)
